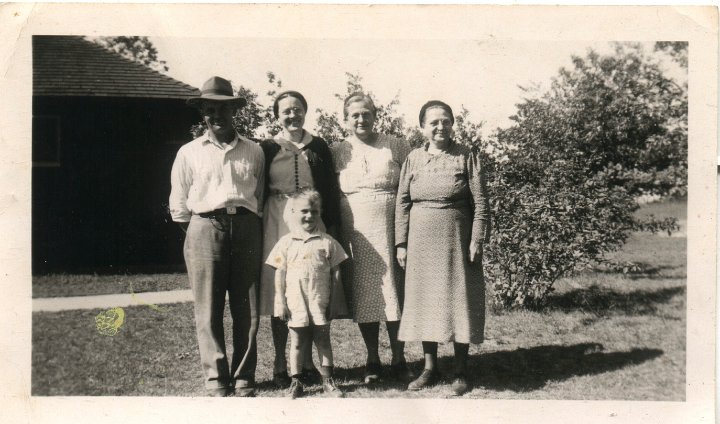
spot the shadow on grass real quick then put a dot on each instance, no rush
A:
(600, 300)
(524, 370)
(645, 271)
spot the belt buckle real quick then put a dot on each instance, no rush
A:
(231, 210)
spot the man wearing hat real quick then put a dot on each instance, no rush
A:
(216, 197)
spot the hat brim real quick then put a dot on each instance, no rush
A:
(197, 101)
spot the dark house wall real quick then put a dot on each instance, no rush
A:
(101, 202)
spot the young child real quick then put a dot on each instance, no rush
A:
(307, 267)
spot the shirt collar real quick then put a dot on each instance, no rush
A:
(302, 235)
(233, 143)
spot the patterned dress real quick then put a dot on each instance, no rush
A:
(442, 204)
(369, 176)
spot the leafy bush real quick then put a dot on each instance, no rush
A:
(565, 177)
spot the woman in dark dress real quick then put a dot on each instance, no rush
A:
(442, 219)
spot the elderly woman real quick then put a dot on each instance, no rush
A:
(295, 160)
(441, 222)
(369, 164)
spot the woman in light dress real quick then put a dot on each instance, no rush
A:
(368, 165)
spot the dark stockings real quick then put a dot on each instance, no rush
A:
(371, 332)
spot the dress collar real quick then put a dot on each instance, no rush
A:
(289, 145)
(450, 147)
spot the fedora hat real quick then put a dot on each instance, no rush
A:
(217, 89)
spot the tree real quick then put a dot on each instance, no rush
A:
(138, 49)
(564, 189)
(619, 114)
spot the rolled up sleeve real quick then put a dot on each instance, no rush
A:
(180, 181)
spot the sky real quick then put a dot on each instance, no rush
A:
(482, 75)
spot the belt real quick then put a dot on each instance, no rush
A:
(230, 210)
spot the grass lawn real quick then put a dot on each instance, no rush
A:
(605, 335)
(60, 285)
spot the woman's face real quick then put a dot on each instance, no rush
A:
(360, 119)
(291, 114)
(438, 127)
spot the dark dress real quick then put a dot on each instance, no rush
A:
(442, 204)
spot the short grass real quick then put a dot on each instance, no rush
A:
(604, 336)
(60, 285)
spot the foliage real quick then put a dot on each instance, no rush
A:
(138, 49)
(564, 194)
(678, 50)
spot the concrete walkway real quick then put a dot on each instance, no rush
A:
(55, 304)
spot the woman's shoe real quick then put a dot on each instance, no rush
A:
(373, 371)
(331, 389)
(401, 372)
(296, 389)
(281, 380)
(426, 378)
(459, 385)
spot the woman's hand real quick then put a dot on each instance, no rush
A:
(401, 256)
(475, 251)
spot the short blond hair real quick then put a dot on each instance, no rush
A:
(311, 195)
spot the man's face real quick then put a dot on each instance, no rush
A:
(218, 117)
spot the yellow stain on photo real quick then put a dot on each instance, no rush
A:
(108, 322)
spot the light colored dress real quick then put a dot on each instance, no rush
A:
(289, 173)
(308, 260)
(369, 176)
(442, 204)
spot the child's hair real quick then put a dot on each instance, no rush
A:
(312, 196)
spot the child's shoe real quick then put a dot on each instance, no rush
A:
(296, 388)
(311, 376)
(331, 389)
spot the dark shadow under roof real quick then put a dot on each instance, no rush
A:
(73, 66)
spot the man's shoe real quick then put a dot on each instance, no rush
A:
(427, 378)
(459, 385)
(281, 380)
(220, 392)
(331, 389)
(296, 389)
(244, 388)
(373, 372)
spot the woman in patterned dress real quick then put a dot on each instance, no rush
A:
(368, 165)
(441, 222)
(295, 160)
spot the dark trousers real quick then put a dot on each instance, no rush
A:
(223, 255)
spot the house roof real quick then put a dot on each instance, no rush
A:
(73, 66)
